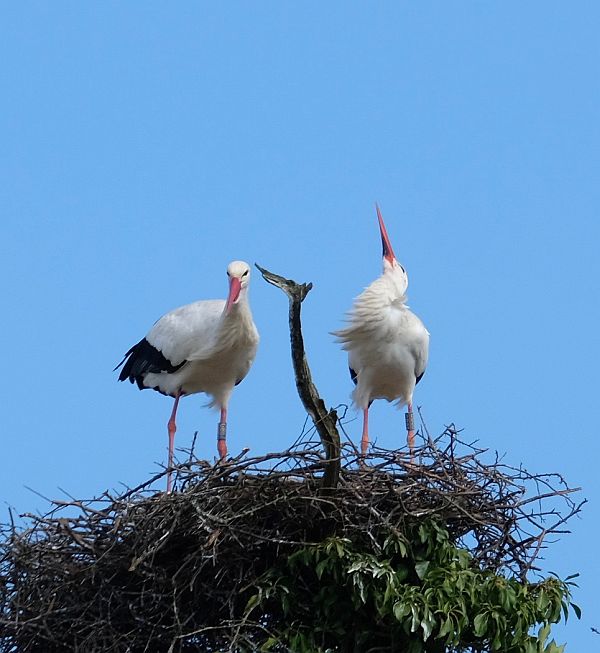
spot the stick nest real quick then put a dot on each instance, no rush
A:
(146, 571)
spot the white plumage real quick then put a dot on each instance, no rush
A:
(207, 346)
(387, 344)
(218, 349)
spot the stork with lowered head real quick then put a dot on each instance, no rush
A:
(207, 346)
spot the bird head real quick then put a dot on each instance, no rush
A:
(390, 263)
(239, 277)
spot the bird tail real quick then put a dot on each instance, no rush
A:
(133, 364)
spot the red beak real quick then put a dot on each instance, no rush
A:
(235, 285)
(388, 252)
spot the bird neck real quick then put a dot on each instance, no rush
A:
(379, 296)
(239, 318)
(390, 288)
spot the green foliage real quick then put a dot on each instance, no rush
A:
(416, 593)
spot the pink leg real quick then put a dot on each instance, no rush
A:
(172, 427)
(364, 442)
(410, 428)
(222, 435)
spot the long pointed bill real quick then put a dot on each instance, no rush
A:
(235, 285)
(388, 251)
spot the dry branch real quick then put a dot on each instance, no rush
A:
(324, 420)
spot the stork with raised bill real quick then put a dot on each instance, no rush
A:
(207, 346)
(387, 344)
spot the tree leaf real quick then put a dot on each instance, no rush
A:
(531, 646)
(480, 624)
(427, 627)
(253, 601)
(416, 621)
(543, 601)
(269, 644)
(320, 568)
(543, 633)
(445, 628)
(421, 568)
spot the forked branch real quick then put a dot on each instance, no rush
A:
(324, 420)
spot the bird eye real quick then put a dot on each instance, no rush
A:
(245, 273)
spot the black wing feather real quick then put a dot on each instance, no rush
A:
(144, 359)
(353, 375)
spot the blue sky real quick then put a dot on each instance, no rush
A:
(145, 145)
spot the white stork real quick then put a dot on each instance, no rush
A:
(207, 346)
(387, 344)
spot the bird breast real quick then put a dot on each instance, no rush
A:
(387, 347)
(230, 358)
(393, 338)
(219, 357)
